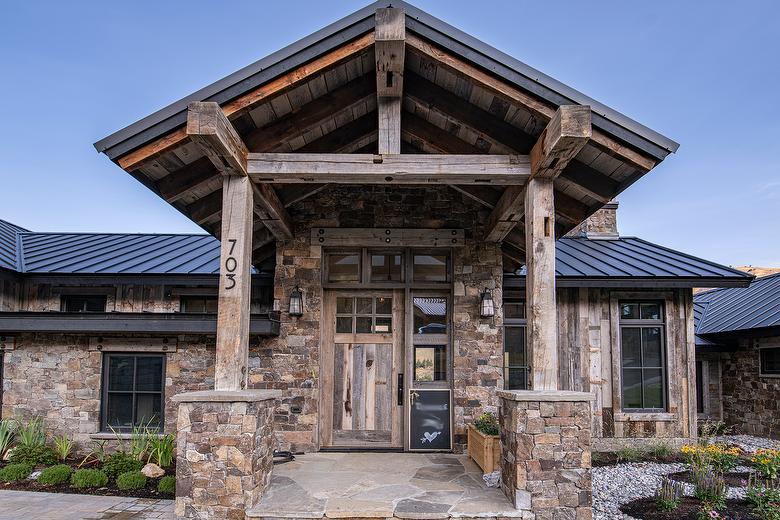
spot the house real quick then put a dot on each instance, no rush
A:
(414, 227)
(738, 356)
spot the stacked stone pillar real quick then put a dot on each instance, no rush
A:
(224, 451)
(545, 452)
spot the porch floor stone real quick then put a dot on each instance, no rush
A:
(381, 485)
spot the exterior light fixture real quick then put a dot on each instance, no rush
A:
(296, 302)
(487, 308)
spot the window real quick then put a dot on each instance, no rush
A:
(82, 303)
(515, 352)
(386, 267)
(770, 361)
(699, 387)
(430, 363)
(430, 315)
(430, 268)
(200, 304)
(344, 267)
(364, 314)
(643, 359)
(430, 336)
(132, 391)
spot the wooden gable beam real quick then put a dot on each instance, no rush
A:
(343, 136)
(514, 95)
(389, 51)
(246, 102)
(417, 128)
(388, 169)
(562, 139)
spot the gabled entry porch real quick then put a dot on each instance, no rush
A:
(408, 485)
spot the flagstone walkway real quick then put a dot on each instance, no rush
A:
(16, 505)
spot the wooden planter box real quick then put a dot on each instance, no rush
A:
(484, 449)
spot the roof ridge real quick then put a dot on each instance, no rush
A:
(112, 233)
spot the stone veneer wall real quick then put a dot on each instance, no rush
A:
(291, 362)
(224, 452)
(545, 453)
(750, 402)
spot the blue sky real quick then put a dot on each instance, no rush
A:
(705, 74)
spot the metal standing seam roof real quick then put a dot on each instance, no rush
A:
(8, 244)
(631, 257)
(361, 22)
(740, 309)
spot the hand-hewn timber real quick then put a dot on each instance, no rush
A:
(210, 129)
(387, 237)
(243, 103)
(235, 285)
(433, 137)
(278, 220)
(514, 95)
(343, 138)
(389, 48)
(562, 139)
(542, 329)
(389, 169)
(174, 186)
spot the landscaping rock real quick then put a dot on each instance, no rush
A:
(34, 475)
(152, 470)
(492, 479)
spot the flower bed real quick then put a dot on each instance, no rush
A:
(141, 466)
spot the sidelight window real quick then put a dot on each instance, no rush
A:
(515, 352)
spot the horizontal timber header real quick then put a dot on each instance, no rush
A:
(388, 168)
(386, 237)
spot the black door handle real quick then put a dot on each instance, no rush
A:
(400, 389)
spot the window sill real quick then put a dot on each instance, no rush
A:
(645, 416)
(110, 436)
(769, 376)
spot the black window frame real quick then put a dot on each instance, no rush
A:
(643, 323)
(761, 371)
(184, 298)
(104, 394)
(65, 300)
(522, 324)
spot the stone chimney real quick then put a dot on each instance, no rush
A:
(602, 225)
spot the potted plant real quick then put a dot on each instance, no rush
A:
(484, 442)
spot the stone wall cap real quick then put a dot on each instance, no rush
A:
(226, 396)
(546, 395)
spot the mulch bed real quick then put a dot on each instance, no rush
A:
(645, 508)
(731, 479)
(150, 491)
(610, 458)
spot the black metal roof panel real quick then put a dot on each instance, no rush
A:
(740, 309)
(361, 22)
(8, 244)
(634, 258)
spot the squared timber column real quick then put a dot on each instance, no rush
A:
(542, 328)
(235, 263)
(389, 50)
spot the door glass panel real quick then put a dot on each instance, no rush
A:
(363, 305)
(430, 268)
(386, 267)
(363, 324)
(430, 315)
(344, 267)
(384, 305)
(430, 363)
(344, 324)
(344, 305)
(383, 324)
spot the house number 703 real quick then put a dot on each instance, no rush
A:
(231, 264)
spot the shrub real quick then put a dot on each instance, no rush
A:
(629, 454)
(668, 495)
(88, 478)
(161, 450)
(14, 472)
(55, 475)
(62, 447)
(167, 485)
(660, 451)
(131, 480)
(487, 424)
(120, 462)
(767, 463)
(34, 455)
(711, 489)
(7, 434)
(31, 434)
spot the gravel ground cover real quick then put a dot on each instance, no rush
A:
(622, 483)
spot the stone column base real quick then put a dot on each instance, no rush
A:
(545, 452)
(224, 451)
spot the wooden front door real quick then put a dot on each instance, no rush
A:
(362, 354)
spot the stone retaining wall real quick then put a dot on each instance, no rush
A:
(224, 452)
(545, 452)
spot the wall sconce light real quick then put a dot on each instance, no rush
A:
(296, 302)
(487, 308)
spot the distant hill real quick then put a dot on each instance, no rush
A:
(750, 269)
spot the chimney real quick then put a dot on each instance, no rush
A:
(602, 225)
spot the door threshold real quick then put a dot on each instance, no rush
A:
(358, 449)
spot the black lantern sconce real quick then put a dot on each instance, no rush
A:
(296, 303)
(487, 308)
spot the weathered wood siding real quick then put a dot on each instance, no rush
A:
(9, 293)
